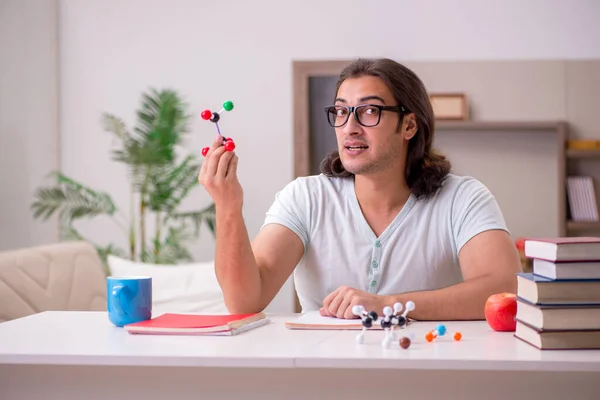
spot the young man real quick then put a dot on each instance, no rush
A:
(385, 222)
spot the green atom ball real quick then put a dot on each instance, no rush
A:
(228, 105)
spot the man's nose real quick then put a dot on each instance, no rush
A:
(352, 127)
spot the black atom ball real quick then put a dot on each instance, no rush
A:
(215, 117)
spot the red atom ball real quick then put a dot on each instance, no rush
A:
(206, 114)
(229, 145)
(204, 151)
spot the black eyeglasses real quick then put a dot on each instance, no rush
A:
(367, 115)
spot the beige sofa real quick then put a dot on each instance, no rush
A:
(63, 276)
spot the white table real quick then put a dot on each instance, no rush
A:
(80, 355)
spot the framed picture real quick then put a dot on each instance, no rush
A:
(450, 106)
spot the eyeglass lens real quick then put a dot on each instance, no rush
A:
(367, 115)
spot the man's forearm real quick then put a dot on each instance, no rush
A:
(235, 265)
(463, 301)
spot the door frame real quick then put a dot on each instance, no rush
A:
(302, 71)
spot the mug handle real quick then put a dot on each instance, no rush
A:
(117, 292)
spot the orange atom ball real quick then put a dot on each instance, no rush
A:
(457, 336)
(429, 337)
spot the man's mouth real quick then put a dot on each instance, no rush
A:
(357, 147)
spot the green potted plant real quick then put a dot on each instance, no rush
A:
(159, 182)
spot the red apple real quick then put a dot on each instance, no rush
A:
(500, 311)
(520, 244)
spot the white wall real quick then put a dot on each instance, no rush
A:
(242, 51)
(28, 116)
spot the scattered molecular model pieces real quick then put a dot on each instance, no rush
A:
(440, 330)
(215, 117)
(389, 322)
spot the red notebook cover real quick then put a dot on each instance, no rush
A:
(187, 321)
(194, 324)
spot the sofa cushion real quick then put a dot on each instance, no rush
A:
(65, 276)
(181, 288)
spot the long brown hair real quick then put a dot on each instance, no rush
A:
(425, 168)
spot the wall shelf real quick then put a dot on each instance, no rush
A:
(568, 227)
(580, 153)
(500, 125)
(557, 128)
(583, 225)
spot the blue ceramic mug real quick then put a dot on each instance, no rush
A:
(129, 299)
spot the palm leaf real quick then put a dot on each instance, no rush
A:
(185, 179)
(116, 125)
(102, 198)
(169, 185)
(130, 150)
(172, 250)
(72, 200)
(48, 201)
(161, 123)
(69, 233)
(196, 218)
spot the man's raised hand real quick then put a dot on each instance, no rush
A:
(219, 176)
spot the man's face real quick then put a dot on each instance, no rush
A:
(369, 150)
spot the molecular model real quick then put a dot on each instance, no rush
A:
(440, 330)
(389, 322)
(215, 117)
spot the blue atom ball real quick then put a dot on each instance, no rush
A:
(441, 328)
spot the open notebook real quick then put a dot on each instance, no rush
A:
(314, 320)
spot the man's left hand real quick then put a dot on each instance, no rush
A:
(339, 303)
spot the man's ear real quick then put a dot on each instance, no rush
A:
(409, 128)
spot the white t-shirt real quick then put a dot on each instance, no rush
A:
(417, 251)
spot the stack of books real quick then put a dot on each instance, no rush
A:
(558, 304)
